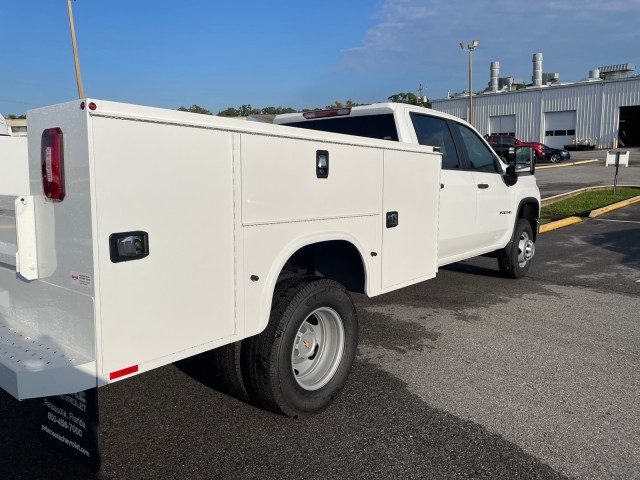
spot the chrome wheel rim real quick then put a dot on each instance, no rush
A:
(526, 249)
(317, 348)
(555, 158)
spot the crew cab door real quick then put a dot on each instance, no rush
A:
(494, 213)
(457, 215)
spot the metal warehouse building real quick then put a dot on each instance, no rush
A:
(603, 111)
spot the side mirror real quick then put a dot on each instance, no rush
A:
(510, 177)
(521, 158)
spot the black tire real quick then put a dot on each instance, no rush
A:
(294, 373)
(516, 263)
(228, 358)
(555, 158)
(227, 364)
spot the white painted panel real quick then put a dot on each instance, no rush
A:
(560, 120)
(279, 181)
(267, 247)
(503, 125)
(175, 183)
(411, 188)
(14, 166)
(557, 122)
(52, 310)
(457, 214)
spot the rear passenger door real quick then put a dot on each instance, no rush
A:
(494, 216)
(457, 213)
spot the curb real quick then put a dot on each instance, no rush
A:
(581, 162)
(556, 198)
(547, 227)
(559, 224)
(600, 211)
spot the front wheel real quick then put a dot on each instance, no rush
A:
(303, 358)
(516, 263)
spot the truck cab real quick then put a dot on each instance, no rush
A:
(480, 204)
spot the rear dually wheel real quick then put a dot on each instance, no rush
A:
(301, 361)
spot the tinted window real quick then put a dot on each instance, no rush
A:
(480, 157)
(372, 126)
(435, 132)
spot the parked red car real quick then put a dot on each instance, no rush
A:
(509, 141)
(501, 143)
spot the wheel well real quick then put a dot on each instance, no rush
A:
(337, 260)
(531, 212)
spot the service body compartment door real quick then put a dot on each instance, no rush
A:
(174, 183)
(410, 200)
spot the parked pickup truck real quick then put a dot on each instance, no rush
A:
(502, 143)
(144, 236)
(484, 208)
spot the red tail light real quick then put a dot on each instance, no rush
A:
(52, 156)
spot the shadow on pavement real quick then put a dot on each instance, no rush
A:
(625, 242)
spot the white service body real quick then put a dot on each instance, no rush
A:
(225, 204)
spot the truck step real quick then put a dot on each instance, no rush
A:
(26, 361)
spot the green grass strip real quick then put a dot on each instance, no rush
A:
(582, 204)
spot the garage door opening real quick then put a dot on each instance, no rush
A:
(560, 128)
(503, 125)
(629, 127)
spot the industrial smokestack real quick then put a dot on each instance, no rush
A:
(495, 74)
(537, 70)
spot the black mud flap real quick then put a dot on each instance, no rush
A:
(70, 423)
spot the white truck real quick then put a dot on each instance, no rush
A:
(484, 209)
(143, 236)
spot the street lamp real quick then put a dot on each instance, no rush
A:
(471, 47)
(75, 51)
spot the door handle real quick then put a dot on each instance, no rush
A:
(392, 219)
(483, 185)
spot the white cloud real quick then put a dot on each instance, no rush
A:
(418, 36)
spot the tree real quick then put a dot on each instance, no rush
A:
(277, 110)
(410, 98)
(246, 110)
(16, 117)
(229, 112)
(348, 104)
(195, 109)
(404, 97)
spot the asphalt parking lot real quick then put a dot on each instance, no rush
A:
(553, 180)
(466, 375)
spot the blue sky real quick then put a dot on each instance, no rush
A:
(303, 54)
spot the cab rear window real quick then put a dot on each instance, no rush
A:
(371, 126)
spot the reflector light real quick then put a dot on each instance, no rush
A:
(52, 158)
(82, 106)
(92, 106)
(334, 112)
(123, 372)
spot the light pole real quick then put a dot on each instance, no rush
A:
(471, 47)
(75, 51)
